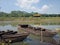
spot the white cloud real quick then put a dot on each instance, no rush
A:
(28, 4)
(44, 8)
(35, 9)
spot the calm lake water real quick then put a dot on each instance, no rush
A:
(31, 41)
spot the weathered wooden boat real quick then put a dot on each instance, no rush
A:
(14, 38)
(11, 36)
(45, 32)
(38, 30)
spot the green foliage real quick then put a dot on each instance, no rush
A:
(15, 14)
(25, 14)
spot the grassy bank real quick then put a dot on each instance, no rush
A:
(30, 20)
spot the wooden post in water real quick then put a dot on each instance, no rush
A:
(41, 36)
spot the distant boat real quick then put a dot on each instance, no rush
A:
(12, 37)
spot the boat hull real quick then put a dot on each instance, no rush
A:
(14, 38)
(37, 31)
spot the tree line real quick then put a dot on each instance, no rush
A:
(26, 14)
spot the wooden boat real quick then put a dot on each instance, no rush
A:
(14, 38)
(37, 31)
(11, 36)
(45, 32)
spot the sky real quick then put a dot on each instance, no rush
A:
(40, 6)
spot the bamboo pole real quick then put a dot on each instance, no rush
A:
(41, 36)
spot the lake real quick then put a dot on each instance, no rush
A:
(31, 40)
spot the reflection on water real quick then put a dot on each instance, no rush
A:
(52, 27)
(30, 41)
(6, 27)
(57, 38)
